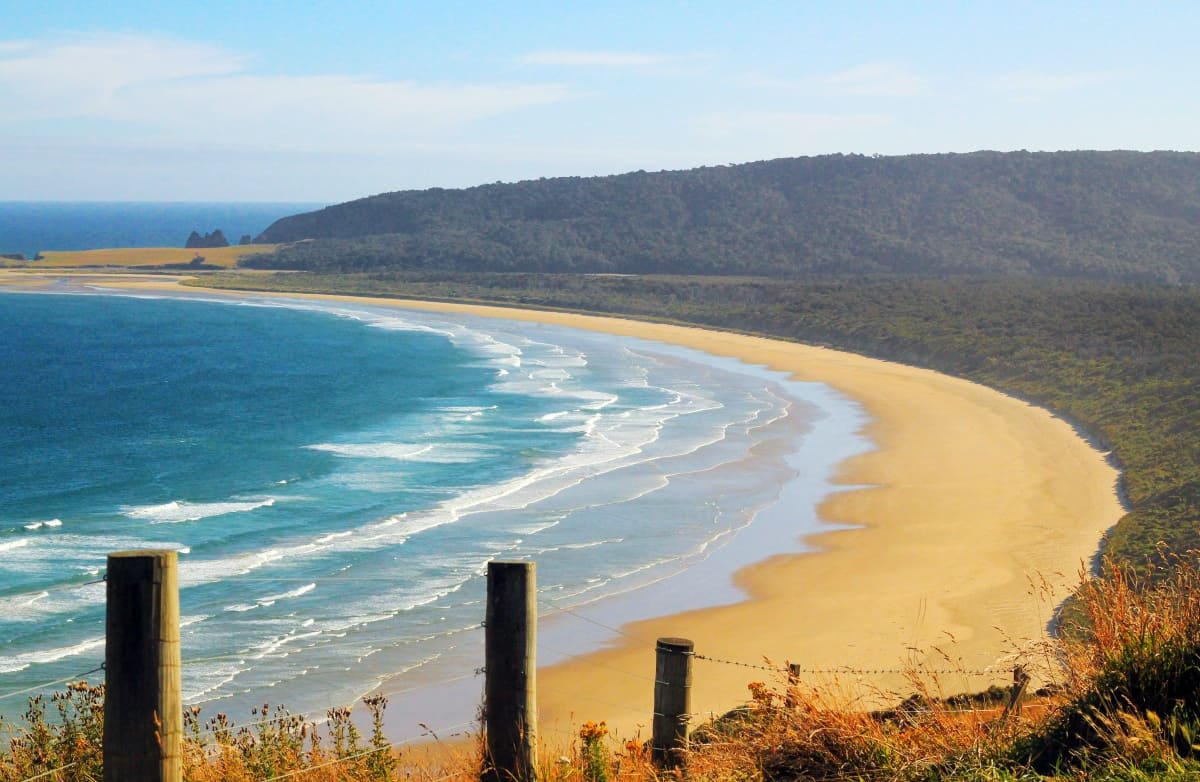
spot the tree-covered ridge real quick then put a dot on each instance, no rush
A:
(1116, 215)
(1120, 360)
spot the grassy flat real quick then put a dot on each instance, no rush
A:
(148, 256)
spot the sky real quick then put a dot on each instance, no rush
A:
(329, 101)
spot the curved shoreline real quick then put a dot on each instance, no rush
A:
(968, 525)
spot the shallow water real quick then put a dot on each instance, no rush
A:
(336, 478)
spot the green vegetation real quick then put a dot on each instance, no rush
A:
(1125, 706)
(65, 742)
(1112, 215)
(1118, 360)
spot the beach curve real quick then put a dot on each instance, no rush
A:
(968, 525)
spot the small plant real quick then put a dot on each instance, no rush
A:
(381, 762)
(595, 762)
(69, 740)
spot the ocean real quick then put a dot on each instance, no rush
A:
(335, 478)
(30, 227)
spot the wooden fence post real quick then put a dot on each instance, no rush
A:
(672, 702)
(793, 682)
(143, 705)
(510, 684)
(1020, 682)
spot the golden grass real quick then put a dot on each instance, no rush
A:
(147, 256)
(1126, 707)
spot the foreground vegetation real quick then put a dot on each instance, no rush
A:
(1125, 706)
(1119, 360)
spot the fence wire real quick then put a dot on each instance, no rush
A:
(787, 669)
(589, 620)
(45, 774)
(64, 680)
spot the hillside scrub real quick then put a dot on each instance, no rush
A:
(1104, 215)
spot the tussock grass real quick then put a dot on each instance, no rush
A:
(1124, 706)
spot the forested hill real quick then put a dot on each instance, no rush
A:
(1116, 215)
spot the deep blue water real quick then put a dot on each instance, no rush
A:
(30, 227)
(336, 477)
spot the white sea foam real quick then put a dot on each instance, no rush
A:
(178, 511)
(19, 662)
(37, 606)
(604, 449)
(578, 546)
(213, 676)
(532, 528)
(271, 600)
(432, 453)
(390, 320)
(276, 644)
(398, 451)
(13, 545)
(53, 523)
(466, 413)
(28, 600)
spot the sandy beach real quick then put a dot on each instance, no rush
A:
(969, 524)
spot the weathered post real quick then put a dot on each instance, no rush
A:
(143, 707)
(672, 702)
(1020, 682)
(510, 684)
(791, 700)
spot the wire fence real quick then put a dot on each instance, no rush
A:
(208, 733)
(54, 683)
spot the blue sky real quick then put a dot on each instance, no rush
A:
(323, 101)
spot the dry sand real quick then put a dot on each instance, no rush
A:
(978, 512)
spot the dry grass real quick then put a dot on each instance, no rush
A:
(1126, 707)
(226, 257)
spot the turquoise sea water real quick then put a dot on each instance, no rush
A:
(336, 478)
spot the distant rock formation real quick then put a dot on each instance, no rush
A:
(214, 239)
(13, 257)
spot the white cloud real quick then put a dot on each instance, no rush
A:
(1031, 85)
(16, 46)
(594, 59)
(872, 79)
(877, 79)
(80, 74)
(186, 91)
(801, 125)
